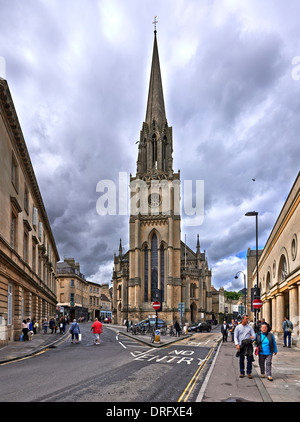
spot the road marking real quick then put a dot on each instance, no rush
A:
(122, 345)
(140, 353)
(24, 358)
(189, 388)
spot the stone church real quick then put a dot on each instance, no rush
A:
(158, 265)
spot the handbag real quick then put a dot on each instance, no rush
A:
(79, 337)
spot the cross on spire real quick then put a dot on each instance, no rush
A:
(154, 23)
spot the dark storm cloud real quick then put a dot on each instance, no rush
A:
(79, 74)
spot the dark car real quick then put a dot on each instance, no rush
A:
(151, 322)
(198, 327)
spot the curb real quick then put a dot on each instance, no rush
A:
(33, 352)
(205, 382)
(148, 343)
(262, 389)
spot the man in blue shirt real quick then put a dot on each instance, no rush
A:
(287, 331)
(243, 335)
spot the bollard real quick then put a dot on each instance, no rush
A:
(157, 336)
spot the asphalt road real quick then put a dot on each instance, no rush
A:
(119, 370)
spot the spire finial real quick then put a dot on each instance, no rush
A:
(154, 23)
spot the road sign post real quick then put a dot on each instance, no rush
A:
(156, 306)
(181, 311)
(257, 303)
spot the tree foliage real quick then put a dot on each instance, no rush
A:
(232, 295)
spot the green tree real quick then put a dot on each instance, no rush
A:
(232, 295)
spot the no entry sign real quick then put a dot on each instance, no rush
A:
(156, 305)
(257, 303)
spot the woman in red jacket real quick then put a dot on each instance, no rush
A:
(97, 330)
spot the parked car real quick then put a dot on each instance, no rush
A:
(151, 321)
(198, 327)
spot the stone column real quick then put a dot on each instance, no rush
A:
(28, 305)
(267, 311)
(293, 303)
(273, 305)
(279, 312)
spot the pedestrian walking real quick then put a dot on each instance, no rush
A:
(61, 326)
(52, 325)
(267, 346)
(177, 328)
(97, 330)
(45, 325)
(75, 331)
(35, 326)
(231, 330)
(224, 331)
(25, 329)
(243, 336)
(287, 331)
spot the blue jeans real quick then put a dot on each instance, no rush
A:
(285, 335)
(242, 364)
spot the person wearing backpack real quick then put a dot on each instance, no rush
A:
(267, 346)
(287, 331)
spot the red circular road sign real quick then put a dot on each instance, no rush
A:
(257, 303)
(156, 305)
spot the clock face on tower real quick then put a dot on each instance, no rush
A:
(154, 200)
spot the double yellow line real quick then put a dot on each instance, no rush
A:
(189, 388)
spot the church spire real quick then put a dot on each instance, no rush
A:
(198, 246)
(155, 106)
(155, 151)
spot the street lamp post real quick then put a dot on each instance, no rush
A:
(237, 276)
(255, 214)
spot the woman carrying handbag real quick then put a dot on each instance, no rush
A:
(266, 347)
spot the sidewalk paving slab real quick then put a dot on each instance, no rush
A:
(223, 384)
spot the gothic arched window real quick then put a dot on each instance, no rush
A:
(146, 274)
(154, 150)
(154, 267)
(162, 271)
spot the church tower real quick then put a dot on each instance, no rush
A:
(152, 268)
(154, 227)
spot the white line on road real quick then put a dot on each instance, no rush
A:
(122, 345)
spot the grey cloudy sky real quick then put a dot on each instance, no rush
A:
(79, 71)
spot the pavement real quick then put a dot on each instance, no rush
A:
(222, 382)
(22, 349)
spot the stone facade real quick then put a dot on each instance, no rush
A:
(279, 267)
(158, 265)
(28, 254)
(72, 289)
(94, 304)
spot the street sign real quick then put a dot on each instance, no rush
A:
(181, 308)
(257, 303)
(156, 305)
(255, 294)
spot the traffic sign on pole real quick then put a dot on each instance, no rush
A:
(156, 305)
(257, 303)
